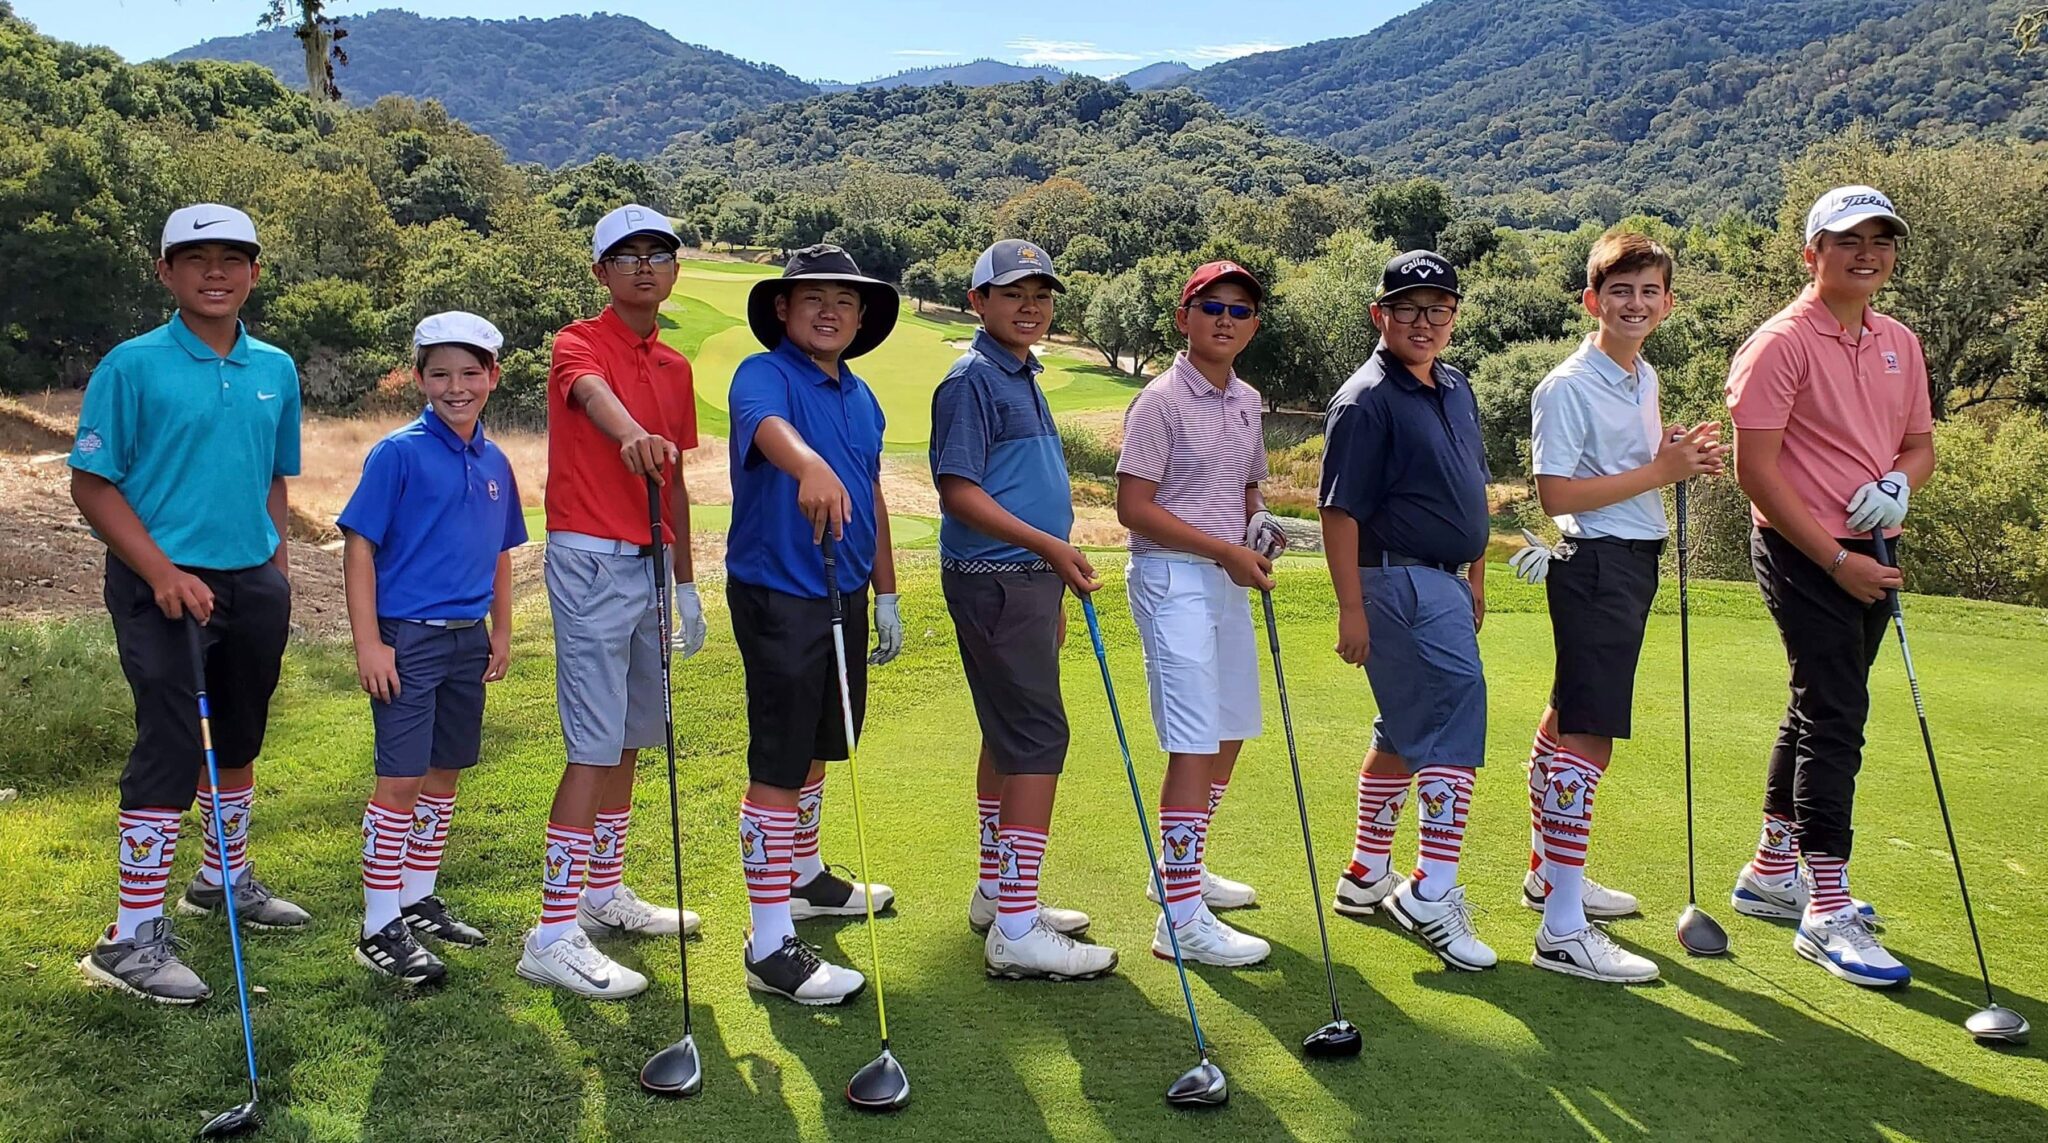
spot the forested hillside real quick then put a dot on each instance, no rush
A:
(975, 73)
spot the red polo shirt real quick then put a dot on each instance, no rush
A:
(589, 489)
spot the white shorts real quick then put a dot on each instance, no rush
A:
(1201, 660)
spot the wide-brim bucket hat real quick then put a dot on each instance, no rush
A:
(825, 263)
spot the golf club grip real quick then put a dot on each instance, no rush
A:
(830, 548)
(653, 510)
(197, 654)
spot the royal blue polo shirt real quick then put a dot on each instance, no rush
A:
(193, 439)
(991, 425)
(770, 542)
(439, 509)
(1405, 460)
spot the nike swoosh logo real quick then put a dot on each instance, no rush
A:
(594, 981)
(266, 396)
(207, 223)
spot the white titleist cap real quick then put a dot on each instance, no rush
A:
(457, 328)
(1844, 207)
(208, 222)
(627, 221)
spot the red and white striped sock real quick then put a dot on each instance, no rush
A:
(1567, 826)
(1021, 850)
(607, 856)
(1540, 752)
(810, 812)
(1180, 859)
(767, 834)
(431, 814)
(384, 844)
(236, 807)
(1444, 796)
(148, 838)
(1216, 792)
(1380, 798)
(1777, 851)
(1830, 885)
(990, 811)
(568, 849)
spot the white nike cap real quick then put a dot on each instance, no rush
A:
(1844, 207)
(456, 327)
(208, 222)
(627, 221)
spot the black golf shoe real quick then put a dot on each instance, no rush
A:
(829, 895)
(796, 972)
(392, 951)
(429, 917)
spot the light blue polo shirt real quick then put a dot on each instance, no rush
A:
(439, 509)
(840, 419)
(1591, 417)
(193, 439)
(991, 425)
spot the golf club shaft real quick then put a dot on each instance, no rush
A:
(1315, 889)
(1679, 494)
(220, 841)
(860, 829)
(1144, 827)
(1884, 556)
(665, 624)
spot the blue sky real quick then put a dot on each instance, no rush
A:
(818, 39)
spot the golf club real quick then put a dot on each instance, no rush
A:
(1990, 1024)
(1339, 1037)
(1698, 933)
(243, 1117)
(675, 1070)
(881, 1085)
(1203, 1085)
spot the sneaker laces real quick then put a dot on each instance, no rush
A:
(1458, 922)
(160, 952)
(1604, 946)
(581, 953)
(1849, 924)
(629, 908)
(807, 959)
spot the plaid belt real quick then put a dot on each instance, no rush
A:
(992, 567)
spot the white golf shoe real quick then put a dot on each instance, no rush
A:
(1044, 953)
(626, 915)
(1841, 943)
(981, 915)
(1206, 940)
(1597, 899)
(572, 962)
(1445, 926)
(796, 972)
(830, 895)
(1785, 900)
(1591, 953)
(1355, 898)
(1217, 892)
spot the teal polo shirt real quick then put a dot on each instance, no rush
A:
(193, 439)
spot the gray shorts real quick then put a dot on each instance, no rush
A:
(437, 720)
(1424, 667)
(607, 653)
(1008, 625)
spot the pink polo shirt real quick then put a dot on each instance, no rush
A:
(1202, 445)
(1846, 406)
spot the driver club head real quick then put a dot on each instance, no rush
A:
(1203, 1085)
(880, 1086)
(237, 1120)
(1337, 1038)
(675, 1071)
(1700, 934)
(1996, 1025)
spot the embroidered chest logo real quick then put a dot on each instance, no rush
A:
(1891, 361)
(492, 488)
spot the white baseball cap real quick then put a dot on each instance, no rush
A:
(457, 328)
(208, 222)
(627, 221)
(1844, 207)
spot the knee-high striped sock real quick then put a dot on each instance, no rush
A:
(1021, 850)
(384, 844)
(607, 856)
(1540, 752)
(766, 835)
(236, 808)
(1777, 851)
(430, 817)
(1180, 859)
(1380, 798)
(1830, 885)
(810, 813)
(990, 811)
(1567, 826)
(561, 883)
(1444, 794)
(1216, 792)
(148, 838)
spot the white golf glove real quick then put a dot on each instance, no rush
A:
(1532, 563)
(687, 638)
(1879, 504)
(888, 630)
(1264, 535)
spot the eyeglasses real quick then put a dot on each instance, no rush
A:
(1218, 309)
(1406, 313)
(635, 263)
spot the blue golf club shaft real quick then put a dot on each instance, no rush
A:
(220, 841)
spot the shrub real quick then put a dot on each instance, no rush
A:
(1502, 383)
(1976, 529)
(1088, 453)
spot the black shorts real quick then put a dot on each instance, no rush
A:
(1599, 602)
(243, 643)
(437, 720)
(793, 713)
(1008, 625)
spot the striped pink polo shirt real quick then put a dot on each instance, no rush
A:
(1202, 445)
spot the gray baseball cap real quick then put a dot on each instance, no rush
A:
(1013, 260)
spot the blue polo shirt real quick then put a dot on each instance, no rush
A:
(193, 439)
(1404, 459)
(439, 509)
(991, 425)
(770, 541)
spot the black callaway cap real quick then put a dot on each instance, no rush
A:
(1419, 269)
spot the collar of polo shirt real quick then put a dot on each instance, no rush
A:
(1406, 378)
(791, 355)
(986, 345)
(1610, 370)
(611, 321)
(200, 351)
(1822, 319)
(1197, 384)
(441, 432)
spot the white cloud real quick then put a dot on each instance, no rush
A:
(1033, 51)
(933, 53)
(1232, 51)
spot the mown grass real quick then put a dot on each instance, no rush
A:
(1761, 1045)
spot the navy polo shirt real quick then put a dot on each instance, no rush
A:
(991, 425)
(770, 541)
(439, 509)
(1405, 461)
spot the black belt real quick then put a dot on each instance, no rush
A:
(1384, 559)
(1650, 547)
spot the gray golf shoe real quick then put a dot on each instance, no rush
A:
(255, 905)
(145, 965)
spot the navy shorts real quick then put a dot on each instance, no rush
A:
(437, 720)
(1424, 667)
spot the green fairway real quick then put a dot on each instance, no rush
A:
(1760, 1046)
